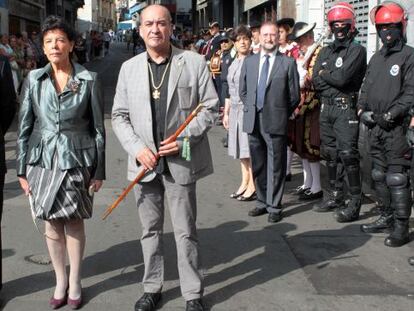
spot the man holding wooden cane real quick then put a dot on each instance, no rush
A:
(155, 93)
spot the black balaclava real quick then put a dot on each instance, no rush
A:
(394, 33)
(346, 30)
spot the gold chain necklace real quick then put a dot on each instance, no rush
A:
(156, 93)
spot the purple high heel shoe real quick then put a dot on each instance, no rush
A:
(75, 304)
(57, 303)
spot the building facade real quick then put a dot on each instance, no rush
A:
(4, 17)
(64, 8)
(310, 11)
(233, 12)
(25, 15)
(97, 15)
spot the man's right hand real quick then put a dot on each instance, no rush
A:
(147, 159)
(367, 118)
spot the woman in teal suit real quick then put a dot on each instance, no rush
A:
(61, 153)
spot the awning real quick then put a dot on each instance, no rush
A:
(138, 7)
(250, 4)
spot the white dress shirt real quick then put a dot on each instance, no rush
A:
(262, 60)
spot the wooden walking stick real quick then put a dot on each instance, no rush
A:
(157, 156)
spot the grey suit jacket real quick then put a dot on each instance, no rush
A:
(189, 84)
(282, 93)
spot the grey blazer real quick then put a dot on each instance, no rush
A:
(282, 93)
(189, 84)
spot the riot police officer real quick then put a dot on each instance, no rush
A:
(337, 77)
(385, 101)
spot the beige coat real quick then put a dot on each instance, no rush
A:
(189, 84)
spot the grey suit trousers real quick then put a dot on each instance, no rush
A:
(151, 198)
(268, 156)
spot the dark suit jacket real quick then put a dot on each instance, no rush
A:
(282, 93)
(7, 105)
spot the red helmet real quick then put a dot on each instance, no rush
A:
(342, 11)
(388, 13)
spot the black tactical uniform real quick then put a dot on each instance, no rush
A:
(337, 77)
(386, 98)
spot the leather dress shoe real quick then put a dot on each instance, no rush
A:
(274, 217)
(148, 302)
(235, 195)
(411, 261)
(257, 212)
(194, 305)
(288, 177)
(252, 197)
(309, 195)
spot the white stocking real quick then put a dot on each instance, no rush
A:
(316, 176)
(307, 174)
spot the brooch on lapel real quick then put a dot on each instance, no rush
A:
(73, 85)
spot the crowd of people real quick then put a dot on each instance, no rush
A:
(321, 116)
(280, 93)
(25, 52)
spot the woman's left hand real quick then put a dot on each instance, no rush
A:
(97, 184)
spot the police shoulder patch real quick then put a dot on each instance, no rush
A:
(394, 71)
(339, 62)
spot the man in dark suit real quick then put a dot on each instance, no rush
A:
(8, 109)
(269, 90)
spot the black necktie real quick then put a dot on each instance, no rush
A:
(261, 87)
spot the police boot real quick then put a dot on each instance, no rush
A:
(332, 200)
(386, 219)
(400, 235)
(351, 211)
(401, 203)
(383, 223)
(334, 197)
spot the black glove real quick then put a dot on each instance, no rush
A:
(385, 121)
(367, 118)
(410, 137)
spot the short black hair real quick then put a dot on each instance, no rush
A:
(241, 30)
(53, 22)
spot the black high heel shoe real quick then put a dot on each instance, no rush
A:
(236, 195)
(252, 197)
